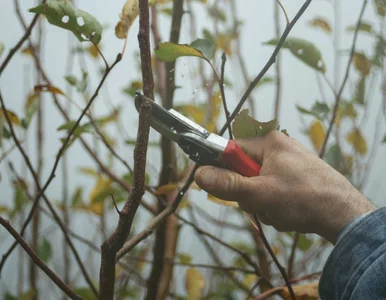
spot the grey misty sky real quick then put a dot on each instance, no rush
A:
(299, 87)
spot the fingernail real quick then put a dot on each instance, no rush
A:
(207, 176)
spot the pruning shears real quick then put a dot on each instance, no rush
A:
(203, 147)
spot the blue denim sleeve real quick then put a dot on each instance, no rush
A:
(356, 267)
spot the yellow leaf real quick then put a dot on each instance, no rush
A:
(276, 250)
(3, 209)
(166, 189)
(317, 135)
(96, 208)
(250, 280)
(224, 42)
(48, 88)
(129, 13)
(170, 51)
(93, 51)
(362, 63)
(101, 185)
(11, 115)
(358, 141)
(184, 203)
(88, 171)
(320, 23)
(194, 284)
(222, 202)
(27, 51)
(308, 291)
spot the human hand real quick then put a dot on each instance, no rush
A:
(296, 190)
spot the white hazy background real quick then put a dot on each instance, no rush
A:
(299, 87)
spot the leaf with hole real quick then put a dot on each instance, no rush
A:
(245, 126)
(45, 250)
(304, 50)
(321, 23)
(194, 284)
(128, 15)
(317, 135)
(62, 13)
(357, 140)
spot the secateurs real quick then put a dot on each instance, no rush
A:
(203, 147)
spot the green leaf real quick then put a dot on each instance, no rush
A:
(63, 14)
(45, 250)
(184, 258)
(1, 48)
(245, 126)
(170, 51)
(304, 50)
(360, 91)
(384, 139)
(206, 47)
(78, 131)
(30, 108)
(150, 143)
(380, 52)
(72, 80)
(209, 36)
(86, 293)
(304, 243)
(77, 198)
(363, 27)
(9, 296)
(319, 110)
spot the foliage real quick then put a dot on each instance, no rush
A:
(92, 192)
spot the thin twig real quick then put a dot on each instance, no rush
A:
(101, 54)
(52, 176)
(340, 92)
(268, 65)
(115, 204)
(224, 102)
(283, 9)
(278, 63)
(36, 259)
(277, 263)
(20, 42)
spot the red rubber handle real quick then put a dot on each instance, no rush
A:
(239, 162)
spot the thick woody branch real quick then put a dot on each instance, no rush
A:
(36, 259)
(115, 242)
(126, 216)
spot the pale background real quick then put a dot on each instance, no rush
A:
(299, 87)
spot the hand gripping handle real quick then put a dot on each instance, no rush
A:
(239, 162)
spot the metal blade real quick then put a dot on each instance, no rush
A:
(170, 123)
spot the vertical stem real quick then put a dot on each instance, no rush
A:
(278, 62)
(337, 34)
(39, 140)
(168, 171)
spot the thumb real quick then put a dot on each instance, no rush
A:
(223, 183)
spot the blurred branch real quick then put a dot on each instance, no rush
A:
(268, 65)
(160, 275)
(20, 43)
(278, 62)
(111, 246)
(277, 263)
(59, 283)
(340, 92)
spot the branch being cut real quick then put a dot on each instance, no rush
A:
(36, 259)
(111, 246)
(115, 242)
